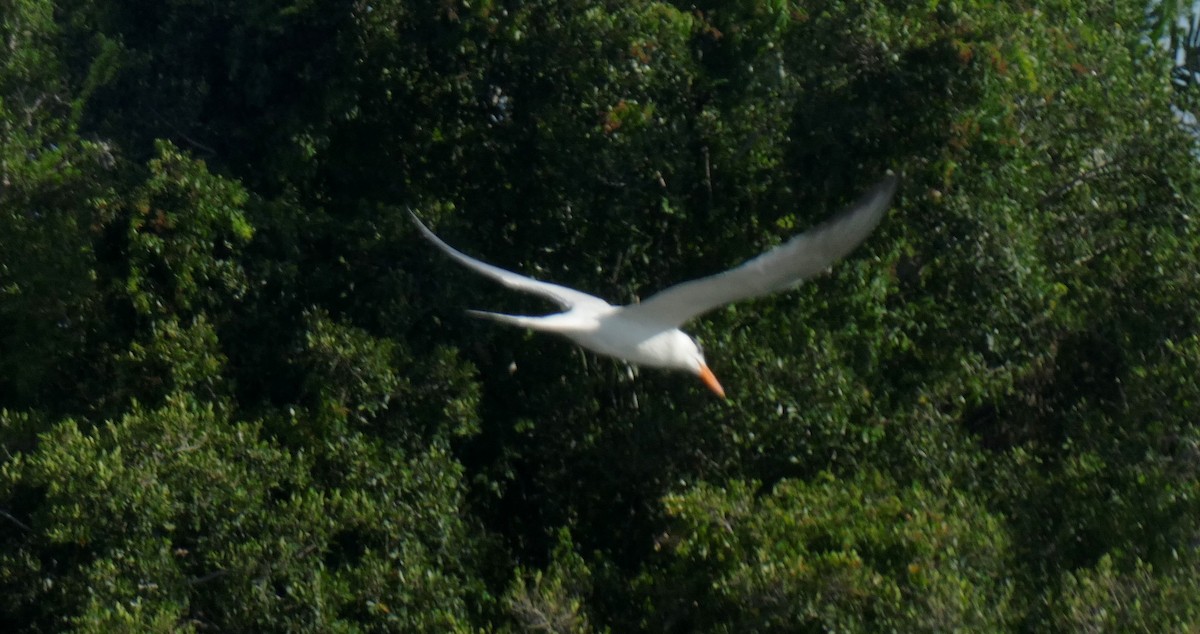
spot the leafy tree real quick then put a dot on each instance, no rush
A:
(860, 555)
(238, 391)
(552, 600)
(1104, 599)
(180, 518)
(55, 188)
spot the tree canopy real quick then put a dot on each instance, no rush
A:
(238, 391)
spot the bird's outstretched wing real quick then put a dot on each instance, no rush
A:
(567, 298)
(780, 268)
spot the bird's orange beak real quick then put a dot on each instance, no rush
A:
(710, 380)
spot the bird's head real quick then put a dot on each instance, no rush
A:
(692, 359)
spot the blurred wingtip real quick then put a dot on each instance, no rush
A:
(890, 181)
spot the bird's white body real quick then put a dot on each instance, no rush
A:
(612, 331)
(648, 333)
(635, 341)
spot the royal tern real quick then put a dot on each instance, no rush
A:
(648, 333)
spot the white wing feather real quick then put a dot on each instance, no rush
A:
(567, 298)
(802, 257)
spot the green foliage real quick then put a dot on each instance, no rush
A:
(552, 600)
(354, 381)
(53, 194)
(1105, 599)
(238, 392)
(181, 518)
(184, 227)
(176, 359)
(861, 555)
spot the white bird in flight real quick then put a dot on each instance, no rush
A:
(648, 333)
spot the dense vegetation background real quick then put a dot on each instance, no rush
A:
(238, 392)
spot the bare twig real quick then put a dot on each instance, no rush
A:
(183, 135)
(195, 581)
(16, 521)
